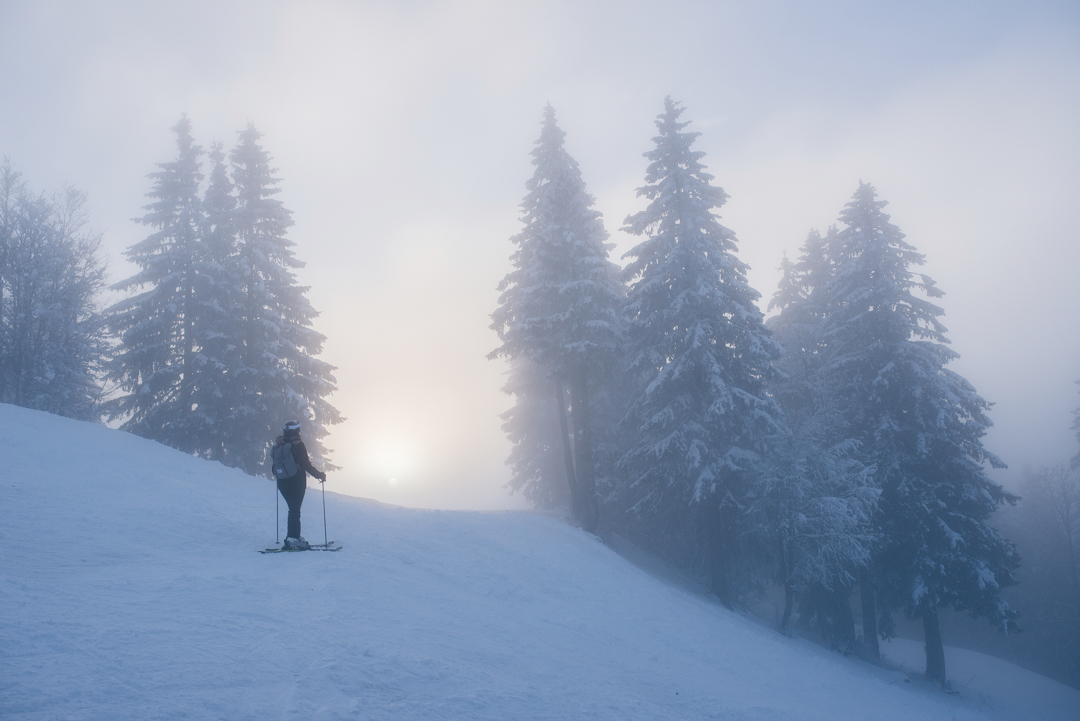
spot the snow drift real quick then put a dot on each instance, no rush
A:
(131, 589)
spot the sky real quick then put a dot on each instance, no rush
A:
(402, 132)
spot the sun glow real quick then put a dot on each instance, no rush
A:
(390, 457)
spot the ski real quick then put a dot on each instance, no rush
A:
(312, 547)
(325, 546)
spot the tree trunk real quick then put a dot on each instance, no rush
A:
(869, 617)
(787, 562)
(789, 600)
(935, 652)
(568, 452)
(832, 611)
(187, 389)
(845, 620)
(716, 551)
(584, 466)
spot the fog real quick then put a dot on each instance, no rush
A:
(402, 133)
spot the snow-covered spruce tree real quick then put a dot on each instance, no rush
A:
(215, 327)
(816, 499)
(920, 425)
(800, 298)
(1047, 527)
(1076, 427)
(700, 417)
(155, 364)
(275, 375)
(532, 425)
(814, 503)
(789, 291)
(52, 337)
(560, 310)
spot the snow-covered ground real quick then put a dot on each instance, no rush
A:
(1013, 692)
(130, 589)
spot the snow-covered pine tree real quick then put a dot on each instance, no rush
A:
(560, 309)
(156, 362)
(816, 498)
(798, 325)
(799, 295)
(1076, 427)
(215, 328)
(789, 291)
(52, 337)
(532, 425)
(920, 424)
(816, 501)
(275, 375)
(700, 417)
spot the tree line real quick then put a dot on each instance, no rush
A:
(212, 345)
(828, 450)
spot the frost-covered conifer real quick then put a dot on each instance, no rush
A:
(919, 424)
(215, 291)
(816, 498)
(52, 341)
(532, 425)
(800, 298)
(1076, 427)
(789, 292)
(156, 364)
(275, 375)
(815, 502)
(559, 310)
(700, 417)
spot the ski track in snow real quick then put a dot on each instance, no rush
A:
(131, 589)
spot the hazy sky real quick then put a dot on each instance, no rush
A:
(402, 133)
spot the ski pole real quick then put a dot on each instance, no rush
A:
(277, 514)
(326, 538)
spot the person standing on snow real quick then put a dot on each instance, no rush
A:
(290, 467)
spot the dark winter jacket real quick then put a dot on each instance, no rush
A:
(299, 453)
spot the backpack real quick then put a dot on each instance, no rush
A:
(285, 466)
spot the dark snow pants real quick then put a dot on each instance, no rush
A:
(292, 490)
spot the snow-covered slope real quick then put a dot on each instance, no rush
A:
(1012, 691)
(130, 589)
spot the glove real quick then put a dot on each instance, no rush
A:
(322, 476)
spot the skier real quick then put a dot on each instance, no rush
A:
(290, 467)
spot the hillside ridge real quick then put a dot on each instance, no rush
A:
(132, 590)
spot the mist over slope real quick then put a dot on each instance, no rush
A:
(131, 590)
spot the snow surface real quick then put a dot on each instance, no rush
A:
(130, 589)
(995, 683)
